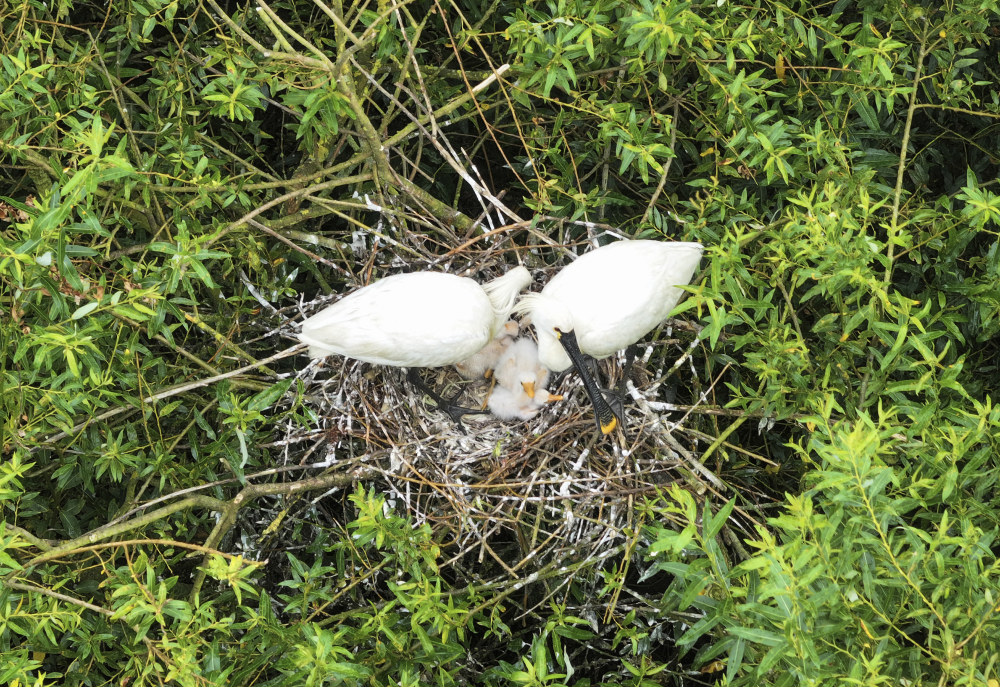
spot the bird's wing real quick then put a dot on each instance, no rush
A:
(413, 320)
(620, 292)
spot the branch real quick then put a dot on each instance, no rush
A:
(167, 393)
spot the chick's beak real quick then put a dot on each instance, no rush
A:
(529, 388)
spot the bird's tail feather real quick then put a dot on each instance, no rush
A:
(502, 291)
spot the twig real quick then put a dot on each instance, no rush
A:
(30, 588)
(901, 171)
(666, 167)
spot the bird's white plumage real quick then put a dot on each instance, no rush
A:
(520, 381)
(476, 365)
(520, 357)
(421, 319)
(508, 404)
(610, 297)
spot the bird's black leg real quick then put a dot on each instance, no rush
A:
(616, 397)
(589, 363)
(455, 411)
(606, 420)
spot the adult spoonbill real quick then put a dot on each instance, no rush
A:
(420, 319)
(605, 301)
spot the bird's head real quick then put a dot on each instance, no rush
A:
(527, 381)
(550, 316)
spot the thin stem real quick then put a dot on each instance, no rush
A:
(894, 226)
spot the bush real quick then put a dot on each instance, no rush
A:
(184, 176)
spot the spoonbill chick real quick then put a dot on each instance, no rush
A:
(420, 319)
(480, 364)
(522, 402)
(520, 357)
(606, 301)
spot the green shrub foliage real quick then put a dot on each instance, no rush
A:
(177, 171)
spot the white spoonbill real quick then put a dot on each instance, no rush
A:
(420, 319)
(520, 357)
(605, 301)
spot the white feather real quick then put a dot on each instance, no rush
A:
(520, 380)
(421, 319)
(476, 365)
(610, 297)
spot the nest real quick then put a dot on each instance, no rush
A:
(548, 487)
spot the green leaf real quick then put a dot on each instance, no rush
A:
(85, 310)
(266, 398)
(756, 635)
(719, 520)
(735, 659)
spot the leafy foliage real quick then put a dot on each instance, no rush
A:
(180, 173)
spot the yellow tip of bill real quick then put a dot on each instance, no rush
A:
(610, 426)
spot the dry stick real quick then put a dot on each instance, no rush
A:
(605, 166)
(266, 185)
(366, 37)
(411, 54)
(163, 340)
(224, 342)
(181, 492)
(734, 541)
(412, 128)
(448, 157)
(479, 220)
(401, 135)
(555, 568)
(252, 492)
(630, 543)
(347, 588)
(317, 240)
(335, 18)
(326, 204)
(173, 391)
(732, 447)
(281, 199)
(296, 247)
(465, 78)
(482, 182)
(669, 439)
(273, 21)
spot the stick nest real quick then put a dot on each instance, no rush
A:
(552, 484)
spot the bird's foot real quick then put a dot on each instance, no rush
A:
(449, 406)
(616, 398)
(452, 408)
